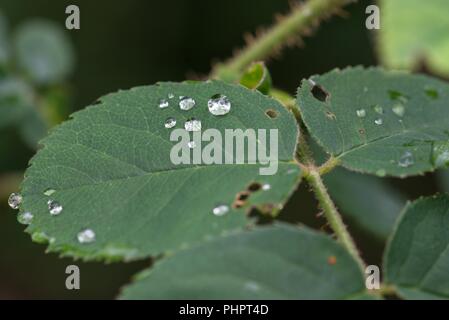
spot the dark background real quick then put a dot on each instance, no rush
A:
(127, 43)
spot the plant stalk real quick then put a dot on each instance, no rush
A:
(301, 19)
(332, 215)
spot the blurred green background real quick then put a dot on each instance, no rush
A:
(128, 43)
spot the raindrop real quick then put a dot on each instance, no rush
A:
(399, 110)
(15, 200)
(397, 96)
(379, 121)
(192, 125)
(406, 160)
(361, 113)
(49, 192)
(170, 123)
(266, 187)
(378, 109)
(54, 207)
(86, 236)
(220, 210)
(191, 144)
(186, 103)
(171, 95)
(26, 218)
(219, 105)
(163, 104)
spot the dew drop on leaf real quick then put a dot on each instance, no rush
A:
(266, 187)
(86, 236)
(14, 200)
(26, 218)
(220, 210)
(54, 207)
(163, 104)
(361, 113)
(170, 123)
(186, 103)
(49, 192)
(378, 109)
(399, 110)
(171, 95)
(219, 105)
(192, 125)
(379, 121)
(406, 160)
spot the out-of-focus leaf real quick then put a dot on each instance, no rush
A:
(417, 256)
(276, 262)
(413, 32)
(379, 122)
(4, 43)
(16, 99)
(43, 51)
(257, 77)
(367, 201)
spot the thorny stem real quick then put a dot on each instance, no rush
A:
(301, 19)
(332, 215)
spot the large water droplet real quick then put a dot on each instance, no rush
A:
(170, 123)
(186, 103)
(14, 200)
(406, 160)
(49, 192)
(399, 110)
(219, 105)
(361, 113)
(379, 121)
(192, 125)
(26, 218)
(163, 103)
(220, 210)
(86, 236)
(54, 207)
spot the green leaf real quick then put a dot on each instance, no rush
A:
(276, 262)
(257, 77)
(373, 121)
(369, 202)
(111, 171)
(43, 51)
(417, 257)
(415, 32)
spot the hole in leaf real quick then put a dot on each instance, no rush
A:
(332, 260)
(255, 186)
(319, 93)
(271, 113)
(241, 199)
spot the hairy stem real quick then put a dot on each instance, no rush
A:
(332, 215)
(300, 20)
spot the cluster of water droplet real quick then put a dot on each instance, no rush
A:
(218, 105)
(54, 208)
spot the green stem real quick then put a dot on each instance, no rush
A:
(301, 19)
(331, 213)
